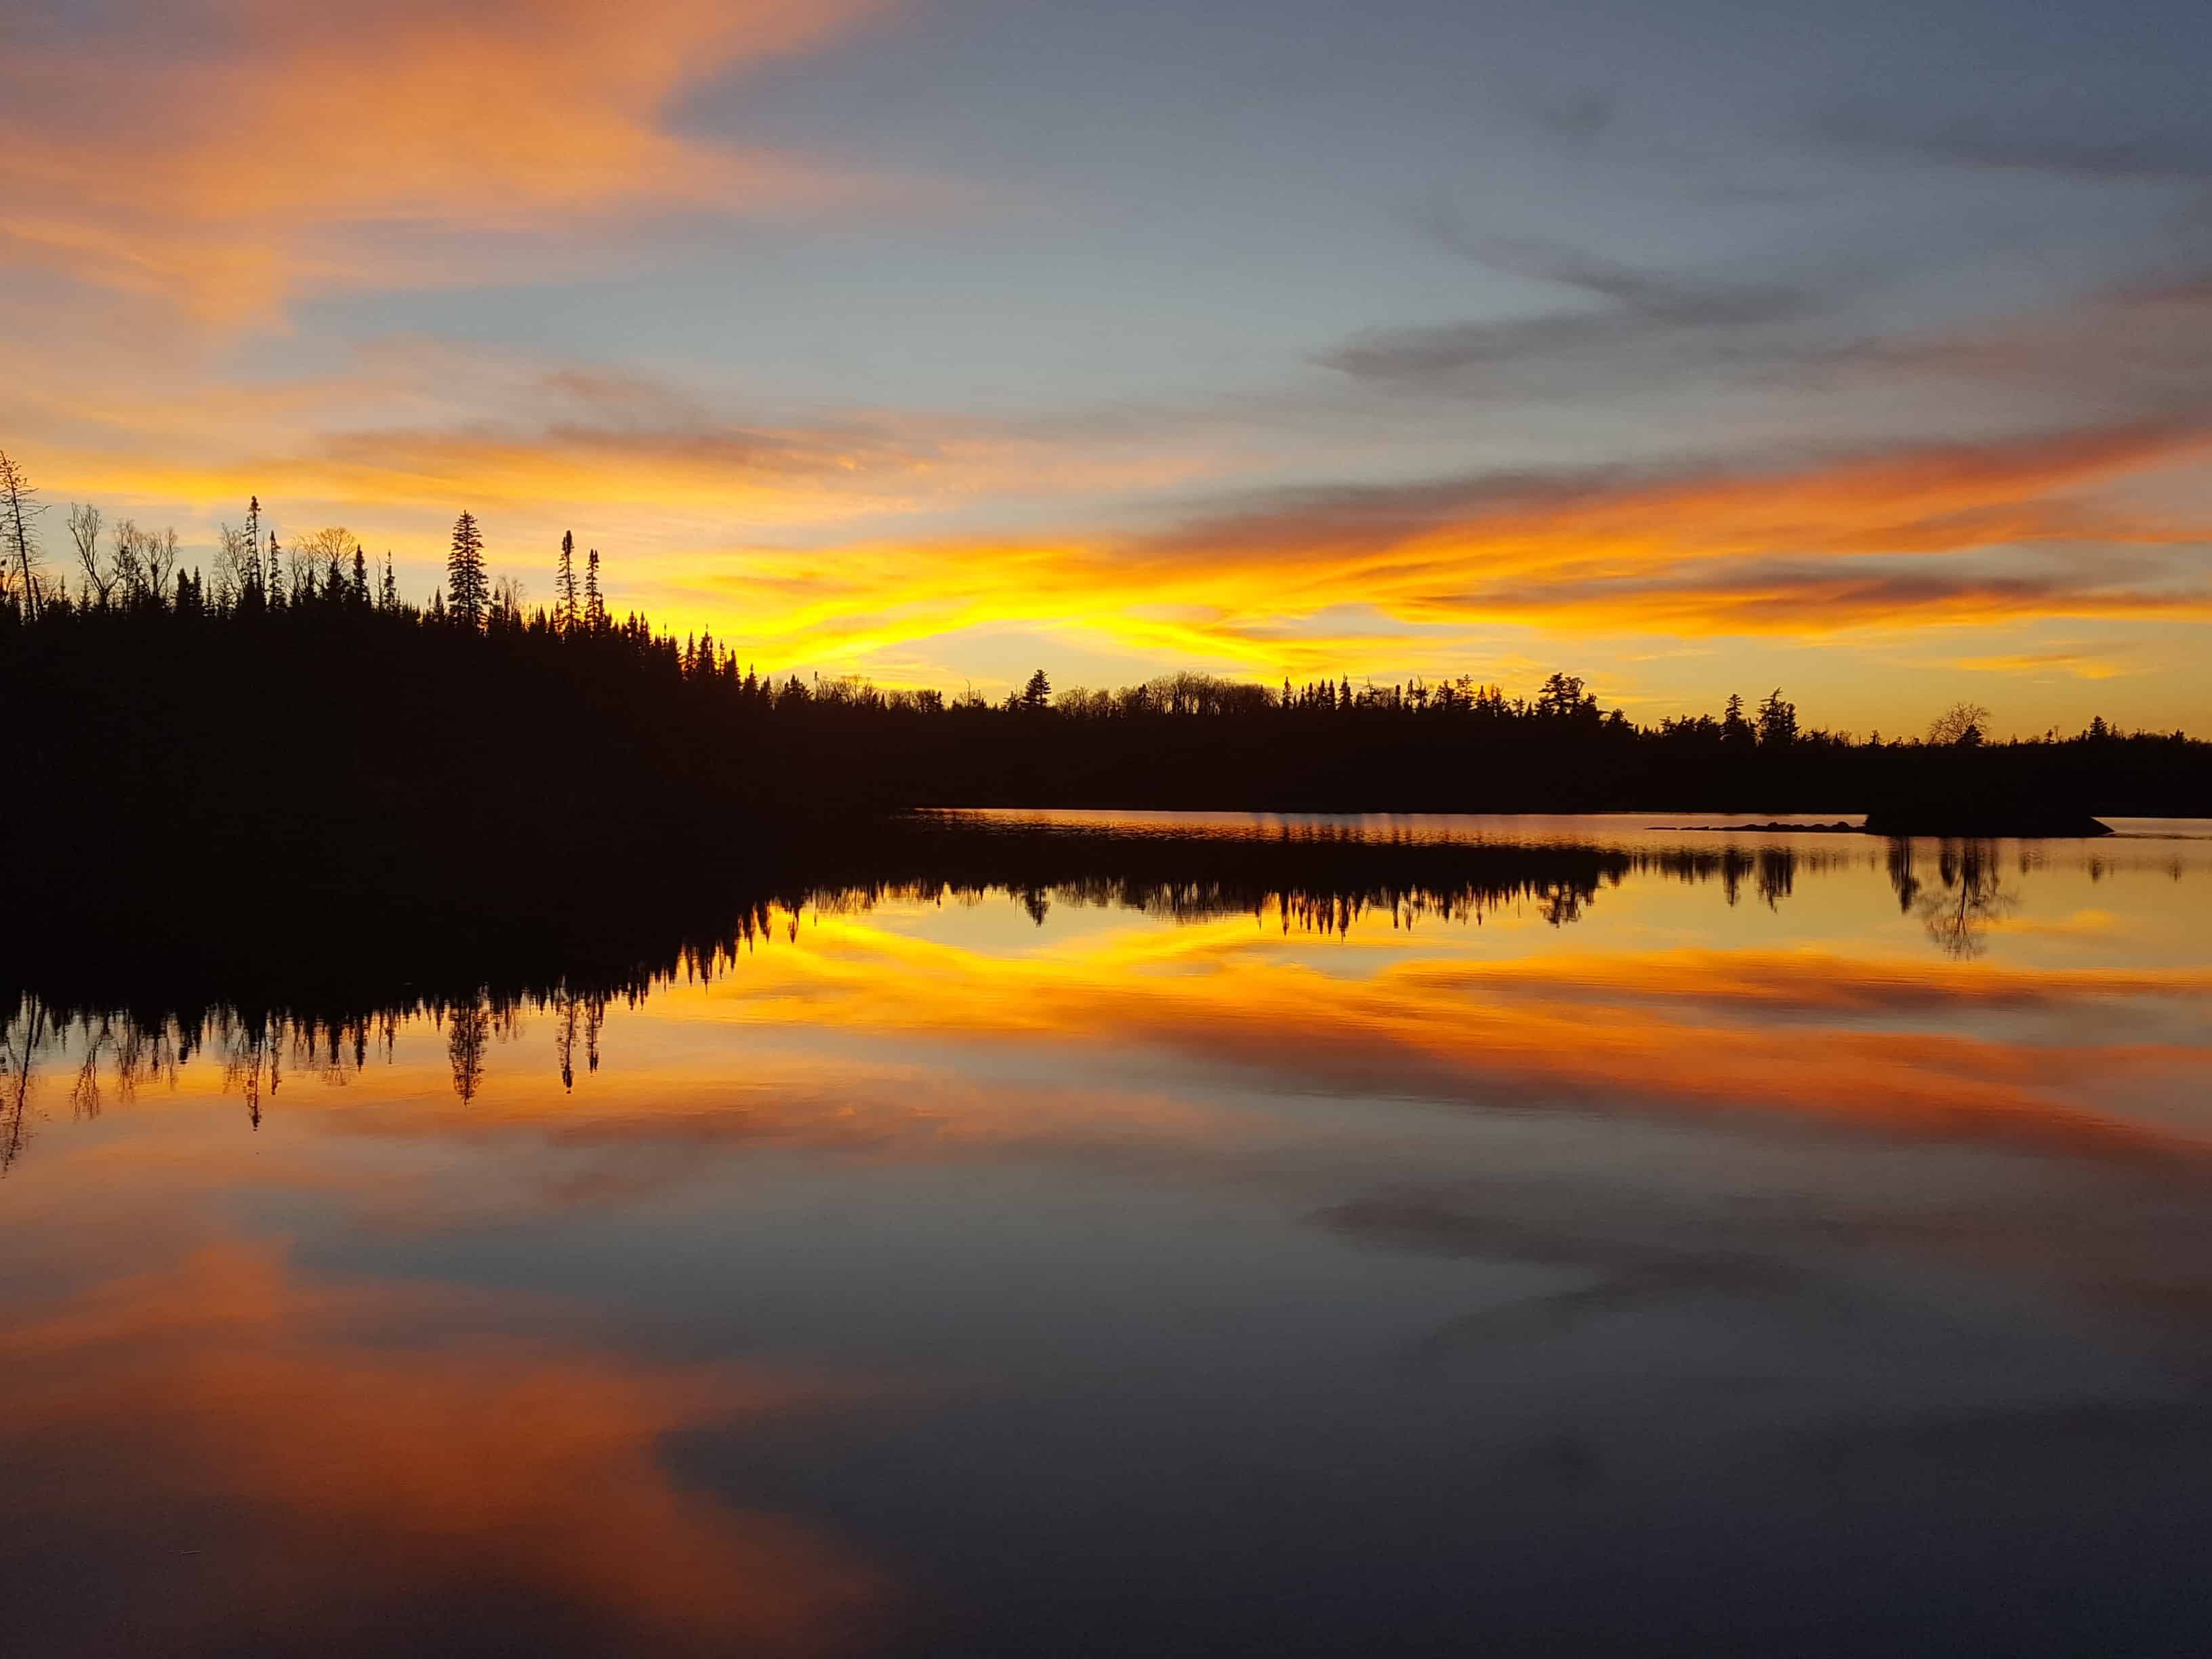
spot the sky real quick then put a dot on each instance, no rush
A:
(1865, 352)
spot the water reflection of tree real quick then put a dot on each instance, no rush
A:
(1772, 872)
(468, 1028)
(1320, 884)
(119, 1053)
(249, 1045)
(1324, 884)
(115, 1054)
(1902, 879)
(564, 1034)
(25, 1031)
(1969, 898)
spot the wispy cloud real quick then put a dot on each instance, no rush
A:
(1637, 311)
(2077, 665)
(2161, 155)
(1949, 534)
(226, 154)
(821, 542)
(867, 537)
(415, 425)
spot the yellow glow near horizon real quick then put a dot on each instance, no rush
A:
(168, 364)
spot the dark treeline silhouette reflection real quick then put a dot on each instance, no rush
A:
(109, 1055)
(272, 1007)
(1316, 876)
(286, 724)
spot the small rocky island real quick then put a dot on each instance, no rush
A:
(1973, 802)
(1952, 821)
(1981, 824)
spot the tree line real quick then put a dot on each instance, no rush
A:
(287, 712)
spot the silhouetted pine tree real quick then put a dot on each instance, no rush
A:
(1735, 730)
(564, 586)
(595, 605)
(387, 596)
(464, 574)
(1777, 719)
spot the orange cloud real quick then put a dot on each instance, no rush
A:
(826, 543)
(2078, 665)
(1370, 580)
(227, 153)
(1818, 549)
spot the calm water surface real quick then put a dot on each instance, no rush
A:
(1766, 1243)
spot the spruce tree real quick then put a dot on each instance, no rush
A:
(1735, 729)
(564, 587)
(595, 606)
(464, 574)
(1777, 719)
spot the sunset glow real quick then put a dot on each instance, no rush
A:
(935, 341)
(863, 829)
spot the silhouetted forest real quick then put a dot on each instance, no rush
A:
(288, 725)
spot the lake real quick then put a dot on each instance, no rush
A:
(1096, 1233)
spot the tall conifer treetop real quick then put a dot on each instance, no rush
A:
(468, 594)
(566, 613)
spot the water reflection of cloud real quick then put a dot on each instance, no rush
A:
(881, 1044)
(1891, 1046)
(340, 1457)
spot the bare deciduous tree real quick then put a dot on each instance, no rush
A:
(129, 562)
(144, 560)
(19, 543)
(101, 575)
(159, 552)
(237, 564)
(1962, 722)
(331, 545)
